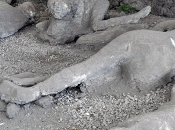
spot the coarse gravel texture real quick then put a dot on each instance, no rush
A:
(24, 52)
(70, 112)
(71, 109)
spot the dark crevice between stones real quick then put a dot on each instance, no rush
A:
(14, 3)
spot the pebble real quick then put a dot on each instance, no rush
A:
(45, 102)
(12, 110)
(26, 106)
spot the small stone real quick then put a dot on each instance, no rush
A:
(56, 107)
(33, 71)
(87, 114)
(2, 106)
(12, 110)
(94, 127)
(45, 102)
(26, 106)
(74, 128)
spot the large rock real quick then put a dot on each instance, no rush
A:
(162, 119)
(14, 18)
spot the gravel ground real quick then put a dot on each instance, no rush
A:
(70, 112)
(33, 55)
(71, 109)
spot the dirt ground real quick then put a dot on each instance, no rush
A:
(71, 110)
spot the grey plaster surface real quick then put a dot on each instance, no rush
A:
(135, 62)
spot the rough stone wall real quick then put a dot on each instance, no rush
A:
(8, 1)
(159, 7)
(163, 7)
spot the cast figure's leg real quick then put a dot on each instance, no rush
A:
(99, 24)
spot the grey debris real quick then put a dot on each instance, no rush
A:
(45, 102)
(12, 110)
